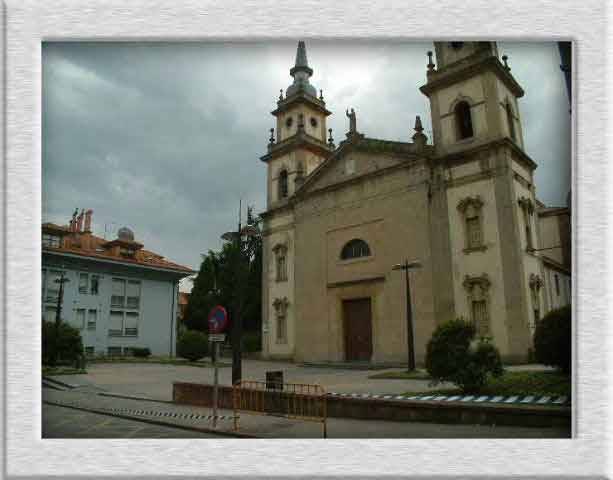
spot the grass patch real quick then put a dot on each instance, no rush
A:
(47, 371)
(548, 383)
(402, 375)
(157, 360)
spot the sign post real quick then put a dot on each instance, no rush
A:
(218, 319)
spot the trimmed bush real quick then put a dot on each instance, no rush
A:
(553, 340)
(192, 345)
(252, 342)
(67, 350)
(141, 352)
(452, 355)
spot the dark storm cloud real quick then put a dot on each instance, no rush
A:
(166, 138)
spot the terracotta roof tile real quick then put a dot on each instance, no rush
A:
(89, 245)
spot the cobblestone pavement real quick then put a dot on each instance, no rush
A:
(61, 422)
(266, 426)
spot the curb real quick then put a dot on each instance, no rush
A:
(60, 383)
(133, 397)
(223, 433)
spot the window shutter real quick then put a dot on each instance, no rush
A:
(131, 323)
(133, 295)
(118, 292)
(116, 324)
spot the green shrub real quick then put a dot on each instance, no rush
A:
(252, 342)
(453, 356)
(67, 350)
(141, 352)
(192, 345)
(553, 340)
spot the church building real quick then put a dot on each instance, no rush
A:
(464, 206)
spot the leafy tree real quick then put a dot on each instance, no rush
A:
(453, 356)
(553, 339)
(232, 278)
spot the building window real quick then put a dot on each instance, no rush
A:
(477, 289)
(283, 192)
(125, 296)
(80, 318)
(94, 284)
(83, 281)
(510, 120)
(52, 286)
(528, 210)
(91, 319)
(535, 283)
(557, 282)
(127, 252)
(280, 251)
(50, 313)
(355, 248)
(280, 305)
(133, 295)
(471, 208)
(51, 240)
(118, 292)
(463, 120)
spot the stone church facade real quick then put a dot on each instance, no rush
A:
(339, 217)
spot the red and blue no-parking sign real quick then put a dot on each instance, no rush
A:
(218, 319)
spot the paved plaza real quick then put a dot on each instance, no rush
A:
(155, 380)
(61, 422)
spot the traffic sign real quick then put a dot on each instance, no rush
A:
(218, 319)
(217, 337)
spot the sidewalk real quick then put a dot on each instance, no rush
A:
(185, 416)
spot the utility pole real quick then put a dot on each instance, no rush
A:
(406, 266)
(58, 312)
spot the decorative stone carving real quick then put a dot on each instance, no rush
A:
(477, 289)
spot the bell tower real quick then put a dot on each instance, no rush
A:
(482, 195)
(473, 96)
(300, 144)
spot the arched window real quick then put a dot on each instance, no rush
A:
(463, 120)
(283, 184)
(511, 121)
(355, 249)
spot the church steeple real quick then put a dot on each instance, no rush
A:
(301, 73)
(299, 142)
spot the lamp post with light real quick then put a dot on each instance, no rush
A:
(237, 319)
(406, 266)
(58, 312)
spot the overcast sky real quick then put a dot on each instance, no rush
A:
(166, 137)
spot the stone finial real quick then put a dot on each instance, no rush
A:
(330, 139)
(280, 94)
(506, 66)
(321, 95)
(272, 136)
(430, 62)
(419, 139)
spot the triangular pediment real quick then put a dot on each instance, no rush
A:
(356, 158)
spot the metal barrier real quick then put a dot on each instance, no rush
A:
(290, 400)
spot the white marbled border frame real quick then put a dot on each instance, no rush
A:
(27, 23)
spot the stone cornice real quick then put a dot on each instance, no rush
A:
(300, 139)
(468, 68)
(461, 156)
(301, 97)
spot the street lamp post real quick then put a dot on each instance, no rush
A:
(406, 266)
(237, 318)
(58, 311)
